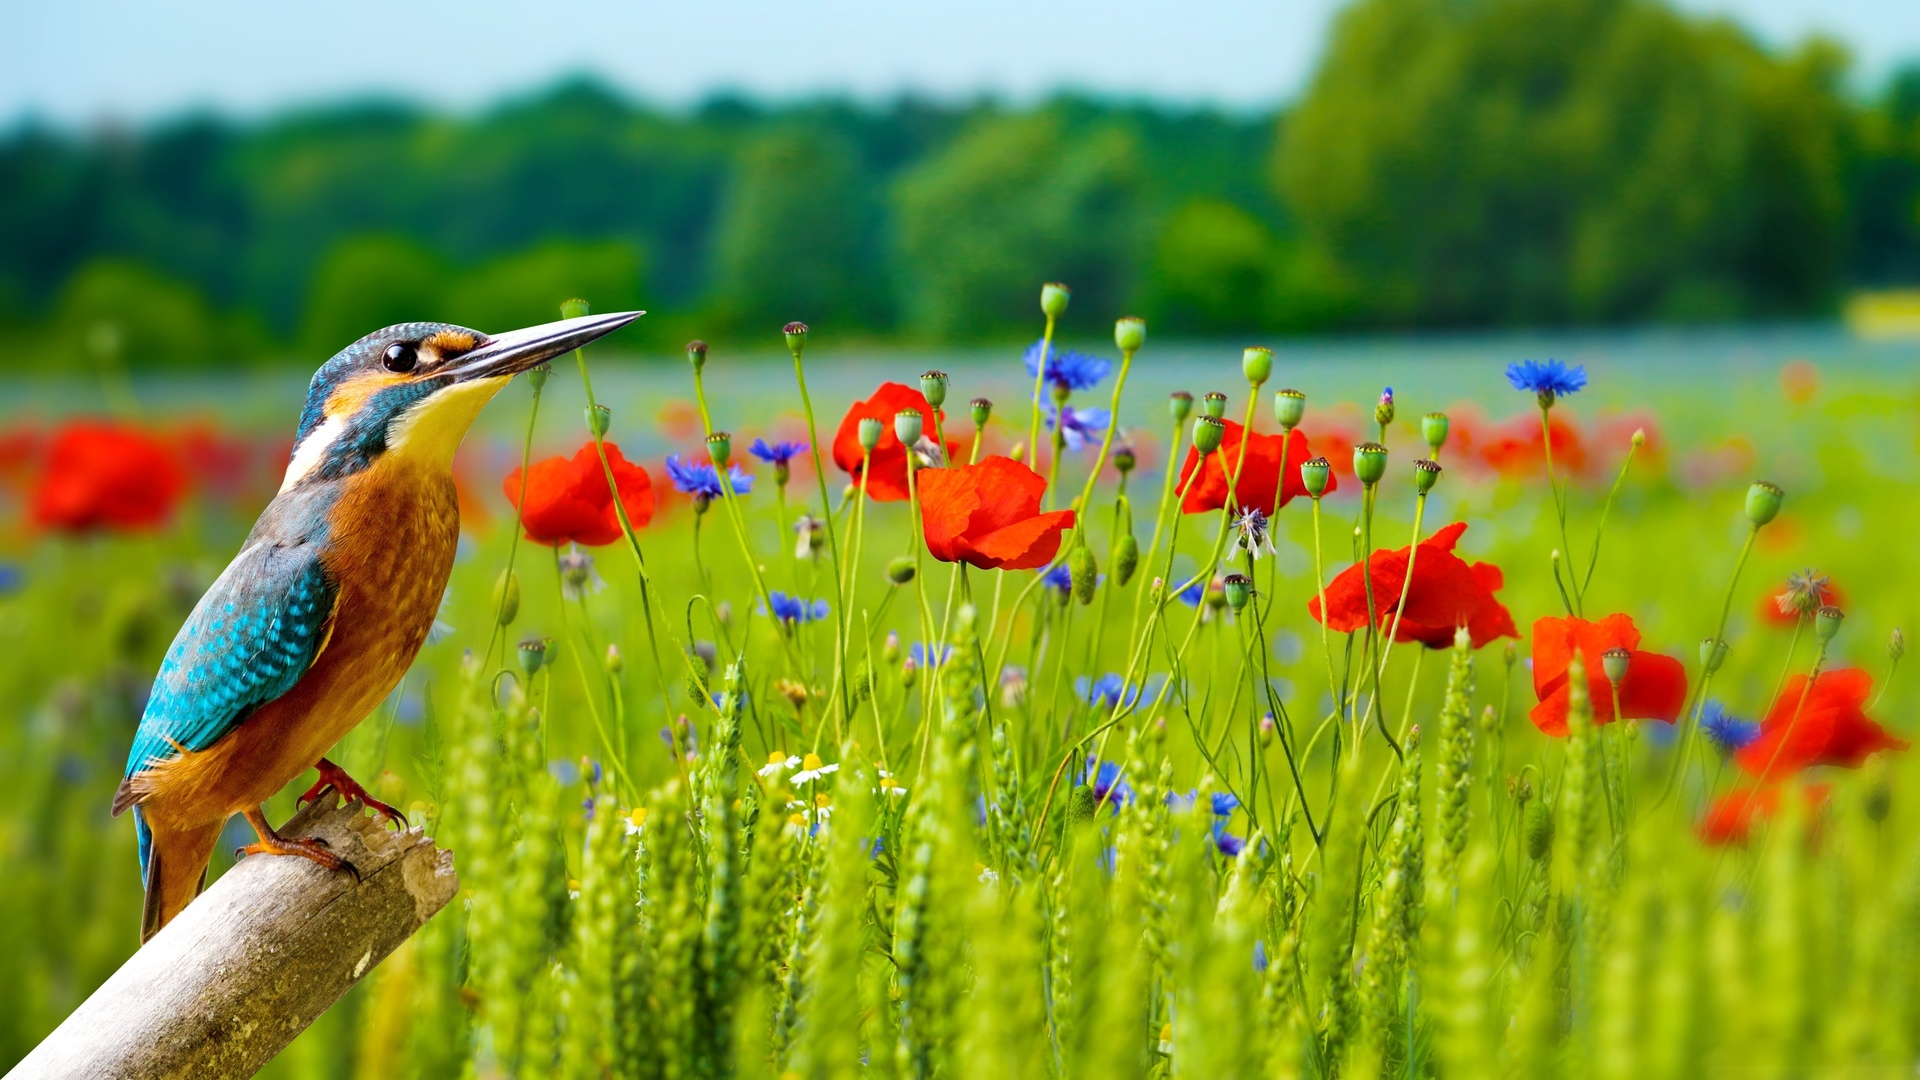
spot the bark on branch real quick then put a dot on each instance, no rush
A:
(256, 958)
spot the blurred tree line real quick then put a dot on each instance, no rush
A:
(1453, 163)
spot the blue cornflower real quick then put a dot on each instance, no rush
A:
(1068, 370)
(779, 453)
(1547, 378)
(1108, 781)
(1727, 732)
(1222, 805)
(1260, 957)
(927, 656)
(1193, 594)
(11, 578)
(796, 609)
(1078, 427)
(1059, 578)
(699, 479)
(1108, 690)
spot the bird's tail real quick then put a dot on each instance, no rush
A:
(174, 866)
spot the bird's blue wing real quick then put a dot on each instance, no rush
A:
(248, 641)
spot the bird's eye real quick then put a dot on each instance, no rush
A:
(401, 356)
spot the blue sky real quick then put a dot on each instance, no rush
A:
(80, 61)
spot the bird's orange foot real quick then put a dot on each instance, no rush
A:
(314, 849)
(333, 776)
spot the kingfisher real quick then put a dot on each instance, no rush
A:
(317, 618)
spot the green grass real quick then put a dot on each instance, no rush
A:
(995, 918)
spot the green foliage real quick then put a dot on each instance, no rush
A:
(367, 282)
(114, 311)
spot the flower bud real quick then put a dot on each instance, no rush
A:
(1425, 475)
(1896, 645)
(1180, 406)
(573, 309)
(901, 569)
(1763, 502)
(1216, 594)
(1238, 589)
(1289, 406)
(907, 425)
(1878, 799)
(1538, 829)
(723, 614)
(1433, 428)
(1214, 404)
(870, 429)
(982, 408)
(1370, 462)
(890, 649)
(1267, 730)
(1157, 731)
(1639, 437)
(506, 597)
(720, 449)
(1315, 474)
(1081, 804)
(1129, 333)
(909, 673)
(796, 333)
(1124, 459)
(1207, 433)
(1256, 363)
(599, 419)
(1126, 559)
(1713, 653)
(536, 653)
(1826, 623)
(537, 378)
(1085, 574)
(1383, 412)
(1018, 453)
(1053, 299)
(1614, 663)
(615, 662)
(933, 386)
(697, 353)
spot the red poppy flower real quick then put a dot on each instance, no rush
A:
(100, 475)
(888, 483)
(1732, 815)
(1259, 473)
(988, 515)
(1447, 593)
(1830, 729)
(19, 451)
(1517, 447)
(1655, 686)
(1773, 614)
(568, 499)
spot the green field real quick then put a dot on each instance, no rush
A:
(1497, 902)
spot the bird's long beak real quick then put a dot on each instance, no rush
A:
(522, 350)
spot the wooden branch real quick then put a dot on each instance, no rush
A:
(256, 958)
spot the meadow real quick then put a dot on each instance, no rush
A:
(903, 774)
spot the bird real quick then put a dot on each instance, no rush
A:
(333, 592)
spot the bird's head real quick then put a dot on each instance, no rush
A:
(412, 391)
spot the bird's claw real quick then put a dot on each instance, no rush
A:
(334, 777)
(312, 848)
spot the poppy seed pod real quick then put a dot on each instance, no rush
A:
(1084, 572)
(1289, 407)
(1614, 663)
(1433, 428)
(796, 334)
(982, 408)
(933, 385)
(1826, 623)
(1129, 333)
(1053, 299)
(900, 570)
(1126, 559)
(1315, 474)
(573, 309)
(1763, 502)
(506, 597)
(599, 419)
(869, 433)
(697, 353)
(1425, 475)
(1238, 589)
(907, 425)
(1207, 433)
(1713, 653)
(1124, 459)
(536, 653)
(537, 378)
(1369, 462)
(1180, 406)
(1214, 404)
(720, 449)
(1256, 363)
